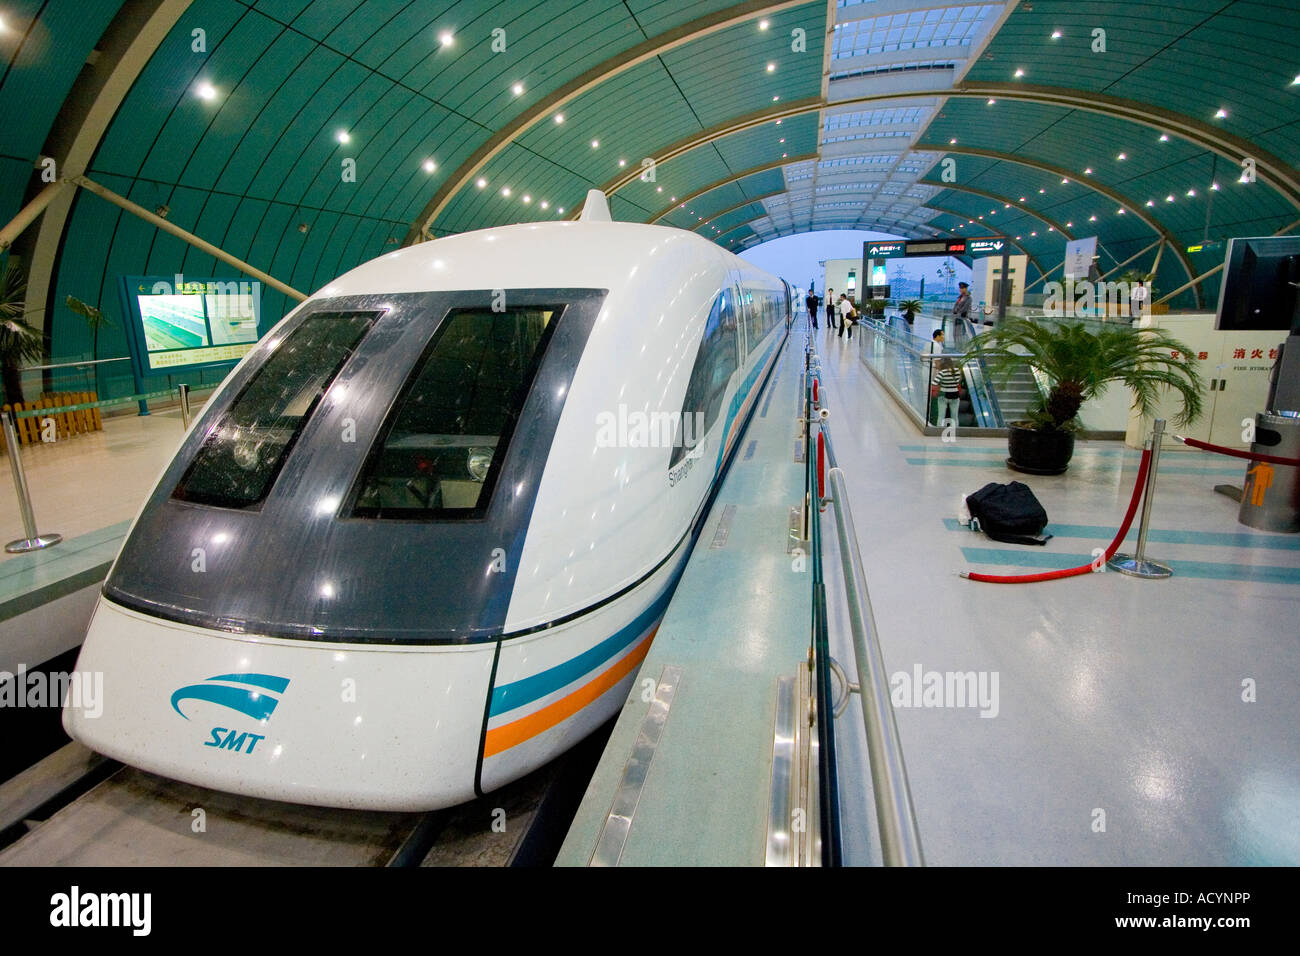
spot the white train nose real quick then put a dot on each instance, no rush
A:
(373, 726)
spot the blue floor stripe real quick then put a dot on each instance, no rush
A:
(1218, 539)
(1042, 561)
(1001, 462)
(961, 448)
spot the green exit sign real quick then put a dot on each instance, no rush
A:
(1214, 246)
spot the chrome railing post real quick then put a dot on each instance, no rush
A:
(33, 541)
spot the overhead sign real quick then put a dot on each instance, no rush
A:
(936, 247)
(1211, 246)
(990, 245)
(884, 250)
(1078, 257)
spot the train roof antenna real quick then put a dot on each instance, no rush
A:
(596, 208)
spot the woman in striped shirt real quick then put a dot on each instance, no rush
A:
(946, 386)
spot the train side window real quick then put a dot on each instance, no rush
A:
(242, 454)
(439, 454)
(714, 366)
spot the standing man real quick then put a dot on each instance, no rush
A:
(810, 301)
(847, 316)
(830, 308)
(961, 308)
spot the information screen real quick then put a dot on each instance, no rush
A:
(180, 323)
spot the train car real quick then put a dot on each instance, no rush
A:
(420, 541)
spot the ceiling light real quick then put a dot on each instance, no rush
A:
(1018, 238)
(1033, 233)
(545, 204)
(1151, 202)
(783, 139)
(1169, 198)
(481, 183)
(778, 122)
(445, 38)
(1164, 137)
(771, 68)
(1122, 156)
(952, 142)
(775, 98)
(1022, 198)
(205, 91)
(1069, 225)
(1020, 72)
(1041, 191)
(1296, 81)
(1088, 171)
(1191, 192)
(560, 210)
(1051, 229)
(659, 189)
(1065, 182)
(1006, 206)
(1221, 114)
(1214, 187)
(595, 144)
(517, 89)
(622, 163)
(559, 117)
(430, 166)
(1056, 34)
(762, 24)
(992, 101)
(342, 136)
(505, 191)
(672, 199)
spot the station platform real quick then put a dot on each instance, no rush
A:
(1135, 722)
(1123, 730)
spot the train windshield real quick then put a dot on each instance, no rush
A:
(441, 449)
(242, 454)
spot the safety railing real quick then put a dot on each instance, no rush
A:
(899, 835)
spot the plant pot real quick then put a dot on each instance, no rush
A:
(1037, 451)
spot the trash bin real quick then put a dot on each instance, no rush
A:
(1270, 499)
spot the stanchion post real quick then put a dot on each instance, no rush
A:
(33, 541)
(1137, 564)
(185, 405)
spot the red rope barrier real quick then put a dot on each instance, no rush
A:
(1083, 568)
(1248, 455)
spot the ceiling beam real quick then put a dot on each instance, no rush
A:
(744, 174)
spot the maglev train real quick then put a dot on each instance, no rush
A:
(419, 542)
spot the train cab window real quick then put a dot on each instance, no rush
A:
(714, 365)
(242, 454)
(439, 454)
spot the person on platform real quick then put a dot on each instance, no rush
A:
(810, 302)
(830, 308)
(961, 308)
(945, 385)
(848, 315)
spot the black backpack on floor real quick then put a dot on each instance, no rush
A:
(1009, 513)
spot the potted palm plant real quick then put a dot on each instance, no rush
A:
(909, 308)
(19, 342)
(1080, 364)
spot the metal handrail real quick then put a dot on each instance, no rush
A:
(895, 815)
(45, 368)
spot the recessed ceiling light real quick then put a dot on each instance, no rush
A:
(545, 204)
(481, 183)
(1051, 229)
(505, 191)
(762, 24)
(527, 198)
(1018, 238)
(1296, 81)
(1088, 171)
(775, 98)
(1164, 137)
(992, 101)
(1020, 72)
(771, 68)
(1214, 187)
(1151, 202)
(778, 122)
(1191, 192)
(622, 163)
(1169, 198)
(1069, 225)
(560, 210)
(1092, 218)
(1122, 156)
(952, 142)
(517, 89)
(205, 91)
(445, 38)
(1120, 211)
(1042, 191)
(559, 117)
(1033, 233)
(1006, 206)
(672, 199)
(1065, 182)
(1056, 34)
(659, 189)
(430, 166)
(1221, 114)
(1022, 198)
(595, 144)
(342, 136)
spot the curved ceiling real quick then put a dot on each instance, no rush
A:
(742, 121)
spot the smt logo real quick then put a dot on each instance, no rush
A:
(249, 694)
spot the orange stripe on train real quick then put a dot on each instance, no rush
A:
(517, 731)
